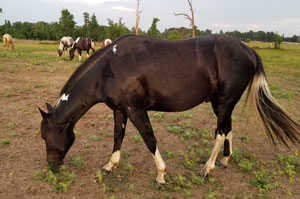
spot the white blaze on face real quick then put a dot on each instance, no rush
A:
(114, 161)
(115, 49)
(160, 167)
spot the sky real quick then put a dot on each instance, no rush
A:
(281, 16)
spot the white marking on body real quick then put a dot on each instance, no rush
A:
(224, 160)
(114, 161)
(160, 167)
(115, 49)
(210, 164)
(63, 97)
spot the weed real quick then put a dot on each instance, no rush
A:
(76, 132)
(87, 146)
(79, 162)
(291, 165)
(11, 125)
(94, 138)
(110, 116)
(60, 181)
(5, 142)
(197, 180)
(189, 124)
(246, 165)
(170, 154)
(39, 86)
(187, 115)
(187, 135)
(9, 95)
(158, 116)
(175, 129)
(211, 194)
(263, 180)
(245, 139)
(137, 138)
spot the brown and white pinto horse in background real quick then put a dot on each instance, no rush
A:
(81, 44)
(105, 42)
(64, 44)
(8, 41)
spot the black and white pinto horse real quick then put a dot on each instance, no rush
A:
(136, 74)
(81, 44)
(64, 44)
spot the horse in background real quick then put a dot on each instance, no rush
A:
(64, 44)
(105, 42)
(81, 44)
(8, 41)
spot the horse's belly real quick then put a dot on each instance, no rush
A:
(181, 100)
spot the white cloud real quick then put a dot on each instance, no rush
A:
(123, 9)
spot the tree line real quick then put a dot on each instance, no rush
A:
(66, 26)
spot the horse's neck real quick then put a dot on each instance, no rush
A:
(73, 105)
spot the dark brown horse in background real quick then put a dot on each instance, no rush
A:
(82, 44)
(136, 74)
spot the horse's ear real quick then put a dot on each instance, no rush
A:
(44, 114)
(49, 107)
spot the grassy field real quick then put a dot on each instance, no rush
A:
(32, 74)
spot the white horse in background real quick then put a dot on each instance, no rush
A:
(8, 41)
(64, 44)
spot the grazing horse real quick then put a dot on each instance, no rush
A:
(136, 74)
(8, 41)
(105, 42)
(82, 44)
(64, 44)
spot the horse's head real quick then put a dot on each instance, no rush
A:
(58, 137)
(72, 53)
(59, 52)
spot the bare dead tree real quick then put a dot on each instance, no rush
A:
(138, 13)
(190, 18)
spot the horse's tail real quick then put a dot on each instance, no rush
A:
(273, 118)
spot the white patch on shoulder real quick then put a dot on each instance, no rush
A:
(115, 49)
(76, 41)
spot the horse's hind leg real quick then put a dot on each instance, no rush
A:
(119, 131)
(227, 151)
(142, 123)
(223, 107)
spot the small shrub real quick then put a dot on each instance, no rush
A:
(175, 129)
(94, 138)
(60, 181)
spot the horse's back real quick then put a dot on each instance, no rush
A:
(177, 75)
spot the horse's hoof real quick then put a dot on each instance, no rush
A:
(104, 171)
(221, 165)
(158, 185)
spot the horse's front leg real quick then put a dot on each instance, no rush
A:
(141, 121)
(79, 53)
(119, 131)
(88, 52)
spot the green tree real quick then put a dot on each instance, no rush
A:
(0, 10)
(85, 27)
(153, 31)
(66, 24)
(174, 35)
(278, 41)
(116, 30)
(96, 32)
